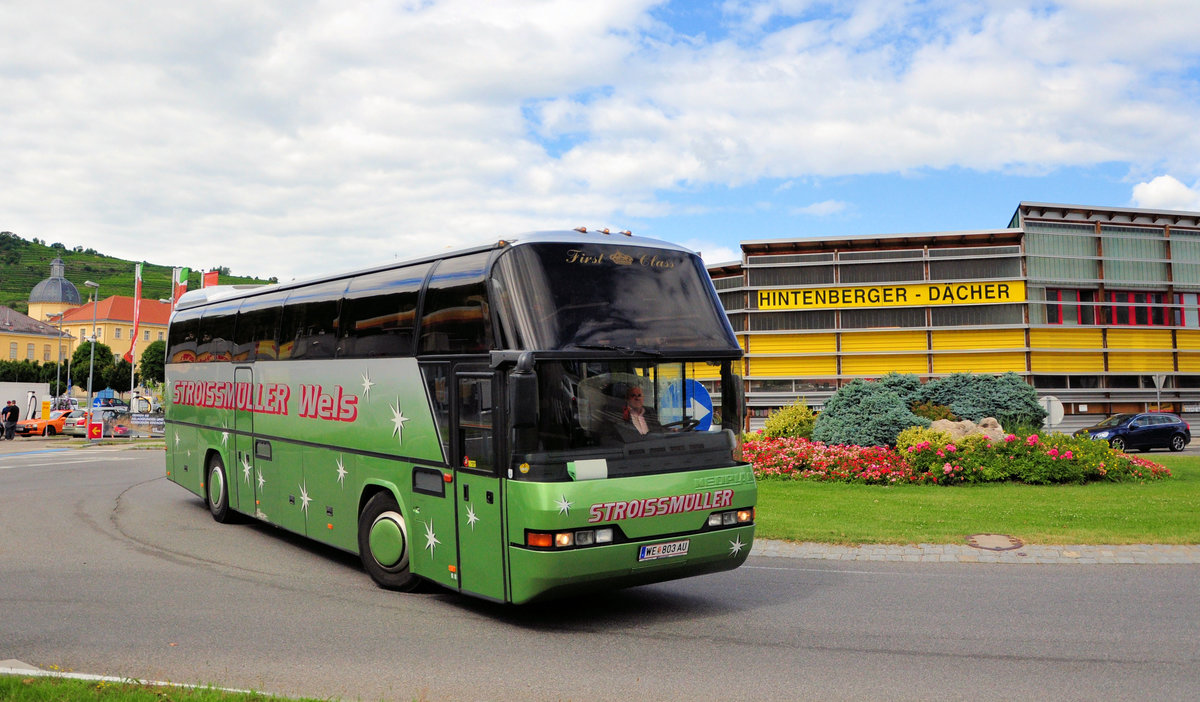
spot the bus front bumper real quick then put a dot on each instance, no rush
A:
(539, 575)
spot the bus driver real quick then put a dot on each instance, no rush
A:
(636, 416)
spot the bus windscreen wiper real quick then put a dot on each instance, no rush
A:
(629, 350)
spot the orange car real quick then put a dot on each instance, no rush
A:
(48, 426)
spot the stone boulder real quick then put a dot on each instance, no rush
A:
(988, 426)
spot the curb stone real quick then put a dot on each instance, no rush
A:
(1147, 554)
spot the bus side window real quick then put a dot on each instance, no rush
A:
(216, 334)
(456, 316)
(257, 325)
(475, 417)
(379, 313)
(308, 327)
(181, 346)
(437, 384)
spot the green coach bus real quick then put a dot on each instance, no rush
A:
(552, 413)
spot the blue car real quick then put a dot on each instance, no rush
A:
(1142, 431)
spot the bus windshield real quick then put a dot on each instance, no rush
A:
(640, 417)
(606, 296)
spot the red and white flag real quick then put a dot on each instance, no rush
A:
(137, 311)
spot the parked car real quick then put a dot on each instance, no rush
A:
(47, 426)
(115, 421)
(1142, 431)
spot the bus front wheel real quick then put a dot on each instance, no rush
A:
(217, 495)
(383, 543)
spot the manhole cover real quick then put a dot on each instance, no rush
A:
(994, 542)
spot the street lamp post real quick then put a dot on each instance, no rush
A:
(58, 369)
(92, 361)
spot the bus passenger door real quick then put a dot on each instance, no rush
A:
(480, 529)
(240, 474)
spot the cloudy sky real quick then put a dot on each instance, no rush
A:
(297, 138)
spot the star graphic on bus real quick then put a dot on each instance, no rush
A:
(304, 498)
(177, 438)
(398, 420)
(471, 517)
(564, 507)
(246, 467)
(341, 471)
(735, 546)
(224, 434)
(261, 480)
(366, 385)
(431, 539)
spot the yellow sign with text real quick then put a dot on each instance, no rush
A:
(893, 295)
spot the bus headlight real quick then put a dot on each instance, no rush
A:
(569, 539)
(731, 518)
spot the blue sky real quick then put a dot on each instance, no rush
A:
(298, 138)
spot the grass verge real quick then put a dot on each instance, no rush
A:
(22, 688)
(1161, 512)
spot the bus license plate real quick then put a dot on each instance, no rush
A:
(667, 550)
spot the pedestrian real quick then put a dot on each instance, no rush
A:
(10, 414)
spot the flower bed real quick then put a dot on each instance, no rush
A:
(922, 456)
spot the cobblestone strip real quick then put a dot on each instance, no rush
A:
(961, 553)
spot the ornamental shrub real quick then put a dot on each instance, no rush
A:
(906, 385)
(863, 413)
(795, 420)
(933, 412)
(974, 396)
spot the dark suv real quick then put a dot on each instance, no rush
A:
(1142, 431)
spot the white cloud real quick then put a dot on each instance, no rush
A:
(713, 252)
(822, 209)
(295, 138)
(1166, 193)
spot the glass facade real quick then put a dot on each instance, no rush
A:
(1097, 306)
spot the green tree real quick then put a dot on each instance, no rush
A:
(153, 364)
(81, 361)
(119, 376)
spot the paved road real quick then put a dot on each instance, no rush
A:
(105, 567)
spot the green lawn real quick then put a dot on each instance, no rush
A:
(1162, 512)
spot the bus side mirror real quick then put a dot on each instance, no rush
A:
(733, 402)
(523, 400)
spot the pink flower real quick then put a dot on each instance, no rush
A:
(951, 448)
(1011, 437)
(1053, 453)
(1068, 455)
(1032, 440)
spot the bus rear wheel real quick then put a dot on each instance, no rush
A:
(217, 494)
(383, 543)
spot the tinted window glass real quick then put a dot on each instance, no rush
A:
(255, 337)
(437, 386)
(181, 341)
(379, 313)
(456, 317)
(216, 333)
(308, 326)
(609, 296)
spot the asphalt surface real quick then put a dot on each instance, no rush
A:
(980, 548)
(794, 623)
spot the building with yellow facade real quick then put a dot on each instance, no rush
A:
(114, 323)
(58, 320)
(1098, 308)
